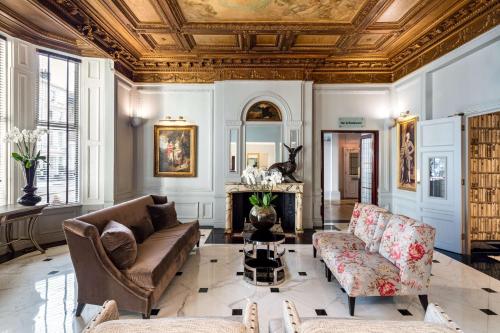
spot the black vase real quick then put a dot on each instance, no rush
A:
(29, 198)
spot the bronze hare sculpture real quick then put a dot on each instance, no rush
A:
(287, 168)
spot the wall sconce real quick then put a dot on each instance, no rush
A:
(170, 119)
(136, 121)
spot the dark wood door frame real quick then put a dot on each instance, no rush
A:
(375, 166)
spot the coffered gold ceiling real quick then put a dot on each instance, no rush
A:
(208, 40)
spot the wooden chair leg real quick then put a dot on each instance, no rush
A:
(79, 309)
(314, 252)
(424, 301)
(352, 302)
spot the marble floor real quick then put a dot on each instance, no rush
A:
(37, 292)
(337, 211)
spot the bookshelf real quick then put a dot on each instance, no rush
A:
(484, 177)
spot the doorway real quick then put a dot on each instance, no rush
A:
(349, 162)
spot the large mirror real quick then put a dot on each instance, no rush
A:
(263, 135)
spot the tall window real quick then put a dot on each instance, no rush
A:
(57, 111)
(3, 120)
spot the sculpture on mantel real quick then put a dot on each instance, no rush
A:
(288, 168)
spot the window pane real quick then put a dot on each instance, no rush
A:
(3, 122)
(58, 181)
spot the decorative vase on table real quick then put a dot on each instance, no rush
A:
(29, 198)
(263, 218)
(262, 215)
(27, 155)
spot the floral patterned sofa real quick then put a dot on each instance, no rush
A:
(381, 254)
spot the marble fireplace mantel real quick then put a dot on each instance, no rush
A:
(296, 188)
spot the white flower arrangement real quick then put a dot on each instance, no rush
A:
(26, 143)
(262, 182)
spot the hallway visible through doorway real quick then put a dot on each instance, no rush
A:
(349, 160)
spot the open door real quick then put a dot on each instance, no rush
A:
(440, 165)
(368, 182)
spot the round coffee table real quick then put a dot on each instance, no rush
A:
(263, 262)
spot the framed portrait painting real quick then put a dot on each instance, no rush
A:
(175, 151)
(407, 153)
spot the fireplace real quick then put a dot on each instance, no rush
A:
(288, 206)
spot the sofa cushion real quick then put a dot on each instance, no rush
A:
(326, 240)
(159, 199)
(163, 215)
(367, 222)
(382, 221)
(356, 212)
(142, 229)
(119, 243)
(363, 273)
(370, 326)
(156, 255)
(171, 325)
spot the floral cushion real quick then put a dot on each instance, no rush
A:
(324, 241)
(356, 212)
(409, 245)
(382, 221)
(367, 222)
(361, 273)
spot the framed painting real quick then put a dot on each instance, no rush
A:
(175, 151)
(407, 153)
(253, 160)
(263, 111)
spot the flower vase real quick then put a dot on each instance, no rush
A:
(29, 198)
(262, 218)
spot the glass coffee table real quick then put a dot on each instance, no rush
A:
(263, 261)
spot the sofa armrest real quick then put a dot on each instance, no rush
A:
(251, 319)
(291, 319)
(435, 314)
(109, 311)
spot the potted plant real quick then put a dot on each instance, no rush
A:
(27, 156)
(262, 215)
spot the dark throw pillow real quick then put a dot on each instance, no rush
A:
(119, 243)
(142, 229)
(159, 199)
(163, 216)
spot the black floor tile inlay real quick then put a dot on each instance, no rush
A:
(320, 312)
(239, 273)
(178, 273)
(213, 260)
(405, 312)
(488, 312)
(53, 272)
(47, 259)
(154, 312)
(291, 251)
(275, 290)
(489, 290)
(302, 273)
(436, 261)
(241, 250)
(203, 290)
(321, 260)
(237, 312)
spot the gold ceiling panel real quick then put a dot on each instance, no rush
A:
(315, 40)
(337, 11)
(266, 40)
(143, 10)
(206, 40)
(163, 39)
(216, 40)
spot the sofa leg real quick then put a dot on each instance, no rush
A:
(79, 309)
(352, 302)
(424, 301)
(329, 275)
(198, 243)
(146, 315)
(314, 252)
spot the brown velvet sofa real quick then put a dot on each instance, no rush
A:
(139, 287)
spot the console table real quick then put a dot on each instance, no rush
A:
(296, 188)
(15, 213)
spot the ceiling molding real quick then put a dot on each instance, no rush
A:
(202, 51)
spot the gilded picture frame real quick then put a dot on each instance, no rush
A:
(175, 151)
(407, 153)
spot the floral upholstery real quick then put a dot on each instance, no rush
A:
(361, 273)
(367, 223)
(356, 213)
(382, 221)
(326, 240)
(409, 245)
